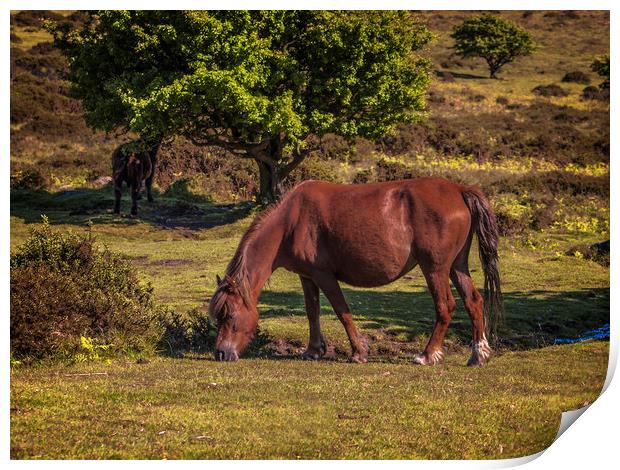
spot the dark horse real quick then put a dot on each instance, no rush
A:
(366, 235)
(136, 167)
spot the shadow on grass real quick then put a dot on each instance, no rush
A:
(85, 205)
(532, 319)
(466, 76)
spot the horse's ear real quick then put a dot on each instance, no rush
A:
(218, 279)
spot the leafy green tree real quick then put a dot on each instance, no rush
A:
(601, 66)
(496, 40)
(255, 83)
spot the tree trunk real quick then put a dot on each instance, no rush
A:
(270, 183)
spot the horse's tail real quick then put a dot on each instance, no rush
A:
(485, 225)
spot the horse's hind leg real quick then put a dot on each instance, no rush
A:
(439, 286)
(118, 192)
(135, 195)
(149, 188)
(317, 347)
(472, 299)
(331, 289)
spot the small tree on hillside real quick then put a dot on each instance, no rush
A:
(255, 83)
(496, 40)
(601, 66)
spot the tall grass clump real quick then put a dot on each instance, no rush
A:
(66, 291)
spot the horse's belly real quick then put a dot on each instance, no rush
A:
(371, 265)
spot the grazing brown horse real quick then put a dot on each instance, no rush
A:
(366, 235)
(136, 168)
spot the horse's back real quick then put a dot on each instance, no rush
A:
(371, 234)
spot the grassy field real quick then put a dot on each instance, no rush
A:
(544, 162)
(282, 407)
(190, 408)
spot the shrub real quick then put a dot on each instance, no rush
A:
(576, 77)
(595, 93)
(315, 169)
(64, 287)
(501, 100)
(476, 98)
(183, 333)
(550, 90)
(27, 179)
(590, 252)
(389, 169)
(601, 66)
(365, 175)
(34, 18)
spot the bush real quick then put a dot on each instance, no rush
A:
(389, 169)
(183, 333)
(27, 179)
(65, 288)
(550, 90)
(601, 65)
(590, 252)
(576, 77)
(34, 18)
(315, 169)
(595, 93)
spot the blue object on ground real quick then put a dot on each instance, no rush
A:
(599, 333)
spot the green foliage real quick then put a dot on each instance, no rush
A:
(601, 65)
(550, 90)
(496, 40)
(183, 333)
(257, 83)
(27, 179)
(64, 289)
(91, 351)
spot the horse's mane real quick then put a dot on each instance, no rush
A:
(236, 276)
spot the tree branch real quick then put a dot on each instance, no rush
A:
(298, 157)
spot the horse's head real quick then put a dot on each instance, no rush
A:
(236, 318)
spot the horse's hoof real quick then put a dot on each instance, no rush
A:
(480, 353)
(359, 359)
(420, 360)
(475, 361)
(309, 355)
(431, 359)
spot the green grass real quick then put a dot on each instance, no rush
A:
(286, 408)
(197, 409)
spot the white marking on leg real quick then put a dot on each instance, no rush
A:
(481, 349)
(436, 356)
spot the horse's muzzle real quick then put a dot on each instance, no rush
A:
(226, 354)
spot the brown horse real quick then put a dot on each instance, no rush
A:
(136, 168)
(366, 235)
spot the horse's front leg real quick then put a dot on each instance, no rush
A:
(331, 289)
(439, 286)
(317, 347)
